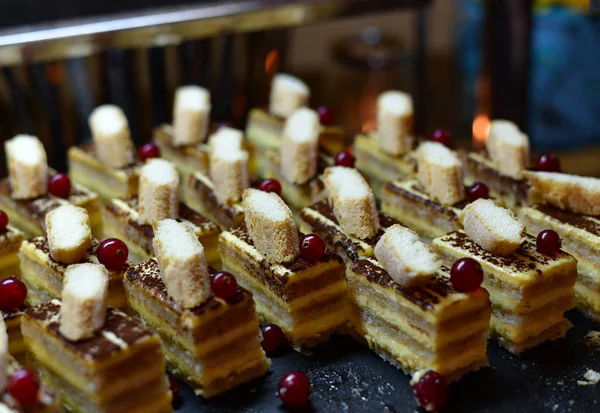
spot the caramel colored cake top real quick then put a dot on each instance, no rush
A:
(119, 332)
(484, 166)
(147, 274)
(129, 213)
(438, 291)
(413, 190)
(579, 221)
(129, 170)
(322, 223)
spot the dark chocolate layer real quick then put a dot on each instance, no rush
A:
(425, 297)
(584, 222)
(13, 312)
(421, 196)
(124, 328)
(351, 247)
(208, 193)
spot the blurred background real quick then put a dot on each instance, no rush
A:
(535, 62)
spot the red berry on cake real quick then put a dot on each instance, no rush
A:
(3, 221)
(13, 293)
(272, 337)
(443, 136)
(24, 386)
(59, 185)
(466, 275)
(431, 391)
(224, 285)
(548, 242)
(270, 185)
(344, 158)
(148, 151)
(112, 253)
(326, 115)
(548, 162)
(312, 247)
(477, 191)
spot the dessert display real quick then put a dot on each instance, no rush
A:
(502, 165)
(218, 194)
(207, 325)
(406, 308)
(568, 204)
(32, 189)
(45, 259)
(130, 219)
(297, 162)
(183, 142)
(303, 291)
(348, 220)
(530, 288)
(264, 128)
(384, 154)
(109, 165)
(13, 293)
(96, 357)
(19, 387)
(431, 202)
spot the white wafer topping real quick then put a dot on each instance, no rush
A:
(191, 115)
(394, 122)
(352, 201)
(3, 355)
(229, 170)
(226, 138)
(508, 148)
(158, 191)
(83, 309)
(408, 260)
(180, 256)
(271, 226)
(440, 172)
(299, 146)
(493, 228)
(112, 139)
(27, 166)
(288, 94)
(69, 233)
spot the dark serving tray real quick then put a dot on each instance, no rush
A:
(347, 377)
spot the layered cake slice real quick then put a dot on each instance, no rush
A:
(32, 189)
(109, 165)
(209, 333)
(38, 399)
(13, 293)
(45, 259)
(502, 165)
(385, 153)
(568, 204)
(530, 291)
(10, 242)
(218, 194)
(130, 219)
(297, 163)
(405, 307)
(97, 358)
(183, 142)
(348, 221)
(431, 202)
(303, 294)
(264, 128)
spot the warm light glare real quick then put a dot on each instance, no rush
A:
(272, 61)
(481, 128)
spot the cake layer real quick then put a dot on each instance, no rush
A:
(102, 366)
(200, 195)
(29, 215)
(290, 294)
(187, 158)
(479, 168)
(431, 327)
(558, 330)
(407, 201)
(85, 169)
(44, 276)
(319, 218)
(121, 220)
(12, 320)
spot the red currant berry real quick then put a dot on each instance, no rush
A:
(270, 185)
(466, 275)
(443, 136)
(3, 221)
(326, 116)
(12, 293)
(477, 191)
(431, 391)
(174, 386)
(294, 389)
(273, 337)
(112, 253)
(548, 162)
(344, 158)
(224, 285)
(312, 247)
(148, 151)
(548, 242)
(24, 387)
(59, 185)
